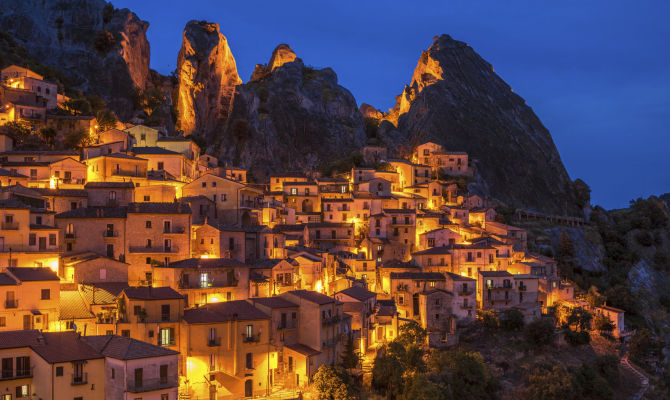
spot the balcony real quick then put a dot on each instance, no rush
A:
(499, 286)
(208, 284)
(286, 325)
(255, 338)
(12, 303)
(148, 385)
(330, 320)
(110, 234)
(10, 226)
(465, 306)
(467, 292)
(523, 288)
(136, 174)
(8, 374)
(213, 342)
(70, 235)
(79, 379)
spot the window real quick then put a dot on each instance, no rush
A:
(163, 374)
(204, 184)
(22, 391)
(306, 191)
(113, 373)
(32, 239)
(148, 243)
(294, 191)
(165, 312)
(46, 294)
(7, 367)
(147, 198)
(250, 361)
(112, 195)
(125, 332)
(224, 197)
(139, 372)
(59, 371)
(148, 260)
(52, 239)
(213, 184)
(161, 165)
(166, 337)
(137, 310)
(3, 321)
(250, 331)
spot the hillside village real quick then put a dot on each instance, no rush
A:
(138, 266)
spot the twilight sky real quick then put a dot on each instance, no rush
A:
(597, 73)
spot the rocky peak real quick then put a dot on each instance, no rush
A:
(133, 44)
(280, 56)
(456, 99)
(207, 76)
(369, 111)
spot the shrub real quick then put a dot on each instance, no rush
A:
(488, 318)
(550, 384)
(512, 320)
(577, 338)
(332, 384)
(641, 345)
(539, 333)
(603, 324)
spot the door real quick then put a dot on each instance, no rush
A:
(415, 304)
(248, 388)
(2, 243)
(138, 377)
(43, 243)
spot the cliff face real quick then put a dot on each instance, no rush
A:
(68, 35)
(290, 117)
(455, 99)
(207, 78)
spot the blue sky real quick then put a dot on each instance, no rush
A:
(597, 73)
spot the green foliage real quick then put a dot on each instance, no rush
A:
(592, 385)
(579, 319)
(355, 159)
(76, 139)
(48, 135)
(309, 73)
(512, 320)
(550, 384)
(467, 376)
(488, 318)
(608, 367)
(575, 338)
(350, 359)
(411, 333)
(582, 192)
(594, 298)
(387, 375)
(333, 383)
(106, 120)
(79, 106)
(603, 324)
(540, 332)
(505, 214)
(648, 214)
(17, 131)
(641, 346)
(419, 387)
(104, 41)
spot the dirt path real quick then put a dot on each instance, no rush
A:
(644, 381)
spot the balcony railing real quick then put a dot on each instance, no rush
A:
(174, 230)
(208, 284)
(70, 235)
(8, 374)
(467, 292)
(10, 226)
(80, 379)
(286, 325)
(147, 385)
(12, 303)
(141, 174)
(110, 234)
(331, 320)
(213, 342)
(255, 338)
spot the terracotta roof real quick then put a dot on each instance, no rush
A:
(59, 347)
(62, 192)
(495, 274)
(94, 212)
(359, 293)
(433, 250)
(239, 310)
(457, 277)
(72, 306)
(273, 302)
(102, 293)
(154, 150)
(303, 349)
(151, 293)
(125, 348)
(266, 263)
(28, 274)
(314, 297)
(158, 208)
(429, 276)
(7, 280)
(104, 185)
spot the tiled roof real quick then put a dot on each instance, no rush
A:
(151, 293)
(125, 348)
(13, 203)
(60, 347)
(495, 274)
(329, 225)
(398, 264)
(266, 263)
(433, 250)
(7, 280)
(72, 306)
(303, 349)
(239, 310)
(28, 274)
(121, 155)
(314, 297)
(273, 302)
(6, 172)
(399, 211)
(102, 293)
(430, 276)
(457, 277)
(94, 212)
(205, 263)
(104, 185)
(359, 293)
(62, 192)
(154, 150)
(158, 208)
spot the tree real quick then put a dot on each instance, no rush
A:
(48, 135)
(332, 384)
(603, 324)
(419, 387)
(641, 345)
(579, 319)
(550, 384)
(512, 320)
(592, 385)
(566, 249)
(387, 375)
(106, 120)
(350, 359)
(540, 332)
(594, 298)
(411, 332)
(469, 377)
(17, 131)
(75, 139)
(488, 318)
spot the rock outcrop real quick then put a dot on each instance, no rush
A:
(290, 117)
(455, 99)
(369, 111)
(207, 77)
(70, 35)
